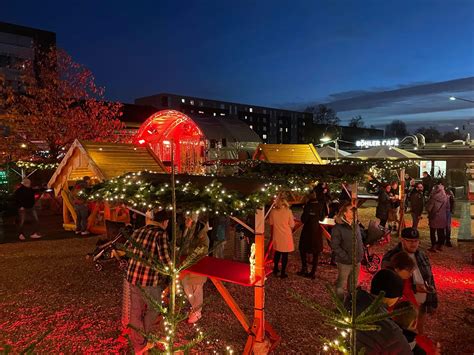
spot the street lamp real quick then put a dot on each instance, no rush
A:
(454, 98)
(326, 139)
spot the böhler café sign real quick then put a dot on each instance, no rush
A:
(363, 143)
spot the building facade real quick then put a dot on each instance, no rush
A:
(271, 124)
(19, 44)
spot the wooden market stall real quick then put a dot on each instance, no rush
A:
(262, 338)
(287, 154)
(99, 161)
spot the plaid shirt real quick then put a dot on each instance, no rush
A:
(154, 241)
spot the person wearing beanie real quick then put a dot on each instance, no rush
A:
(25, 201)
(422, 280)
(389, 339)
(390, 283)
(151, 240)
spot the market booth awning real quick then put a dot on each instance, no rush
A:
(328, 152)
(393, 154)
(287, 154)
(99, 161)
(384, 153)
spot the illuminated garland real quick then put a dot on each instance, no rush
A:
(33, 165)
(138, 190)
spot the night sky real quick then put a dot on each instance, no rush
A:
(274, 53)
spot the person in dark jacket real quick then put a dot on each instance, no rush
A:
(417, 202)
(437, 208)
(311, 239)
(384, 204)
(341, 244)
(427, 181)
(389, 339)
(449, 213)
(25, 202)
(423, 283)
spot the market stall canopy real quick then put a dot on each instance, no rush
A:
(384, 153)
(103, 161)
(287, 154)
(328, 152)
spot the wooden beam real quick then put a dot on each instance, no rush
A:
(234, 307)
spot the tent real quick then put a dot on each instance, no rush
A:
(329, 153)
(384, 153)
(99, 161)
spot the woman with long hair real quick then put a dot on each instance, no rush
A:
(282, 222)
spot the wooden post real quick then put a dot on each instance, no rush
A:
(401, 193)
(256, 341)
(259, 307)
(353, 280)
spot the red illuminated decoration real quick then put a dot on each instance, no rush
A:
(167, 126)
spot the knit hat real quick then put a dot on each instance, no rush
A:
(410, 233)
(388, 281)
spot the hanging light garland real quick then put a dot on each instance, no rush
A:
(34, 165)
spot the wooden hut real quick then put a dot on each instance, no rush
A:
(287, 154)
(99, 161)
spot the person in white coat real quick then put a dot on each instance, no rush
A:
(282, 222)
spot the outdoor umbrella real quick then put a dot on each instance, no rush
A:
(393, 154)
(328, 152)
(384, 153)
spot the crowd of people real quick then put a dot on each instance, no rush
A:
(406, 277)
(428, 195)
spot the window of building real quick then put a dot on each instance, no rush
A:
(264, 136)
(245, 117)
(191, 102)
(251, 127)
(183, 101)
(281, 129)
(201, 103)
(264, 128)
(214, 114)
(303, 124)
(251, 109)
(201, 112)
(222, 106)
(222, 114)
(286, 129)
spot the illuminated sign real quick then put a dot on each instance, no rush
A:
(377, 143)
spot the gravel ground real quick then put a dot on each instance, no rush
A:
(49, 285)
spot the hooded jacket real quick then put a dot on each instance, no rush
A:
(341, 242)
(437, 208)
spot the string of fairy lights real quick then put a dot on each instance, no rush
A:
(138, 190)
(35, 165)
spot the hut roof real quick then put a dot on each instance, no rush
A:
(287, 154)
(103, 161)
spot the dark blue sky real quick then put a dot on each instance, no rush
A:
(273, 53)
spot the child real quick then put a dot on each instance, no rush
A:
(419, 344)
